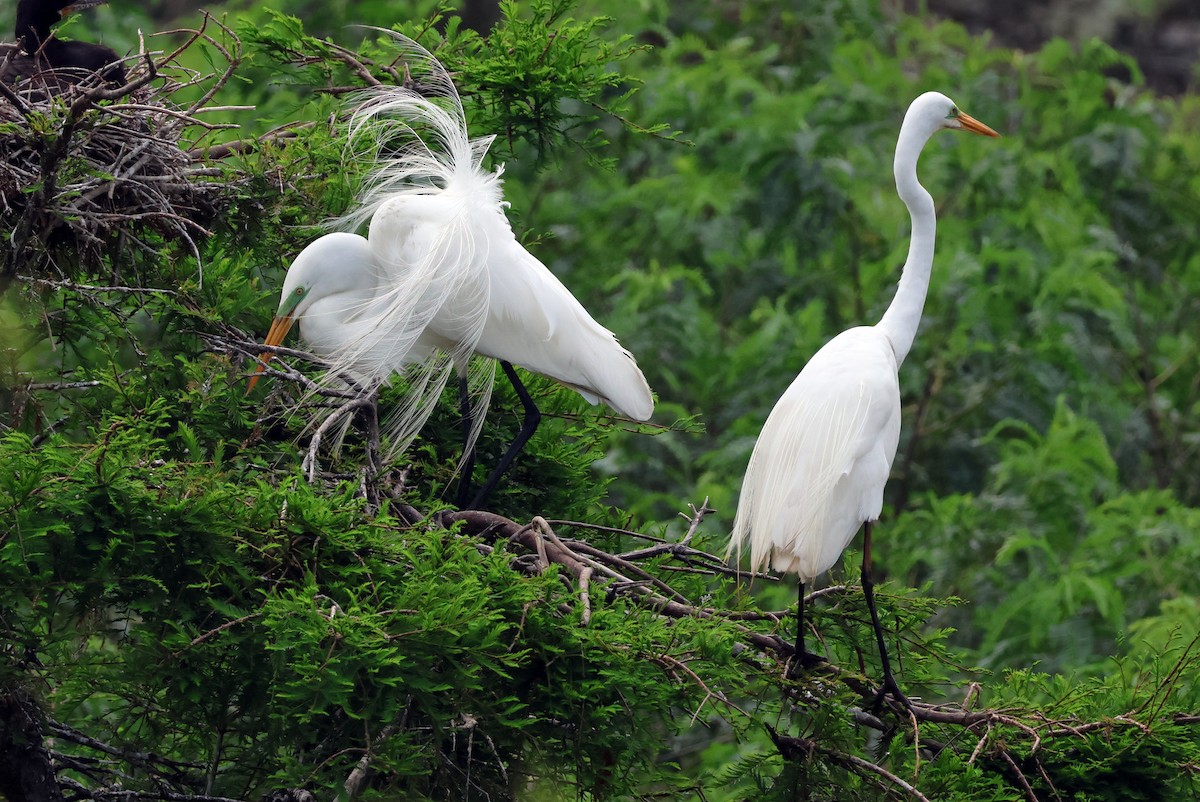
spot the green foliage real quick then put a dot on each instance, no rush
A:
(1055, 244)
(287, 621)
(543, 79)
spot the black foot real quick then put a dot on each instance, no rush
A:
(889, 688)
(799, 664)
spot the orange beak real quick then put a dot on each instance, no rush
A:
(969, 123)
(280, 326)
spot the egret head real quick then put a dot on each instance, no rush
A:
(933, 111)
(297, 292)
(327, 266)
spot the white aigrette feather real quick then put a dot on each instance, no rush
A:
(440, 276)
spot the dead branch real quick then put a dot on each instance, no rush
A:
(575, 556)
(242, 146)
(340, 414)
(589, 565)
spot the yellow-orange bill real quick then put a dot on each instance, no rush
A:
(969, 123)
(279, 329)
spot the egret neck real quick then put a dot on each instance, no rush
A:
(902, 317)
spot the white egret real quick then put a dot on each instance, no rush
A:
(822, 459)
(440, 278)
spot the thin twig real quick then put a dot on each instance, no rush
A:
(1020, 776)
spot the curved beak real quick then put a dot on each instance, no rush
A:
(969, 123)
(280, 326)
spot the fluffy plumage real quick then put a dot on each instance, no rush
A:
(440, 276)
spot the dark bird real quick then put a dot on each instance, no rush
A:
(39, 49)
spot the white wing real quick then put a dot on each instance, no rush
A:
(535, 322)
(823, 457)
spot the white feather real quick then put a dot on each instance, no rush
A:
(822, 459)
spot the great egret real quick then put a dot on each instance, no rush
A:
(820, 464)
(44, 49)
(440, 278)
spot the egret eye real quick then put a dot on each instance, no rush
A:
(953, 112)
(299, 291)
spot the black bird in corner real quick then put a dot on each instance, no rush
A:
(42, 49)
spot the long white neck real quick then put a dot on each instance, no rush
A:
(902, 317)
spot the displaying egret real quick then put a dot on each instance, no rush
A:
(43, 49)
(821, 462)
(441, 278)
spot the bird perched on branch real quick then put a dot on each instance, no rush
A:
(821, 462)
(39, 49)
(440, 278)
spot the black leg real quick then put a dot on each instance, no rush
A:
(528, 426)
(374, 461)
(798, 660)
(468, 467)
(800, 620)
(804, 659)
(889, 681)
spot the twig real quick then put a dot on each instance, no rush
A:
(131, 756)
(362, 770)
(309, 465)
(800, 748)
(696, 518)
(218, 630)
(585, 600)
(610, 529)
(59, 386)
(1020, 776)
(76, 287)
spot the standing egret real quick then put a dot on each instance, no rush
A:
(441, 278)
(820, 464)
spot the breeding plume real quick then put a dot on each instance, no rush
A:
(40, 49)
(440, 277)
(820, 464)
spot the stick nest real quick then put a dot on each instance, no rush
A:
(87, 167)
